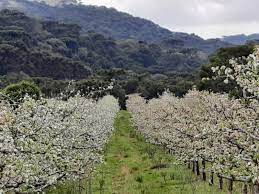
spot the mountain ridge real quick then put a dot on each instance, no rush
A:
(113, 23)
(41, 48)
(240, 39)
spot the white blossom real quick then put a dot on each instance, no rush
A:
(50, 140)
(203, 126)
(246, 74)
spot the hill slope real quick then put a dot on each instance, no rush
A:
(240, 39)
(60, 51)
(112, 23)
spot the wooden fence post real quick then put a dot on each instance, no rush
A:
(245, 189)
(220, 182)
(230, 185)
(211, 182)
(80, 187)
(203, 170)
(197, 168)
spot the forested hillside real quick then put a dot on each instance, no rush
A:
(60, 51)
(51, 53)
(112, 23)
(33, 47)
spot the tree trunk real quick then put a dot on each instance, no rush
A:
(203, 170)
(245, 189)
(79, 187)
(211, 182)
(252, 188)
(189, 165)
(256, 188)
(230, 186)
(90, 184)
(220, 182)
(197, 168)
(193, 166)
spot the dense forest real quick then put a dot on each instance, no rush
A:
(112, 23)
(32, 39)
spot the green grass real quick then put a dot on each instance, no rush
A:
(133, 166)
(129, 167)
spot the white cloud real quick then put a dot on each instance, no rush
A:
(208, 18)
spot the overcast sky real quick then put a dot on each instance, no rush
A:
(207, 18)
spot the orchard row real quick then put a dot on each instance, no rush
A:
(47, 141)
(205, 127)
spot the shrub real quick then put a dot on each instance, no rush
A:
(16, 92)
(119, 93)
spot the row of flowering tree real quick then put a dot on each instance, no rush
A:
(47, 141)
(208, 128)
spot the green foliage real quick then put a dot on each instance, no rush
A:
(125, 82)
(17, 92)
(131, 86)
(151, 89)
(119, 92)
(50, 87)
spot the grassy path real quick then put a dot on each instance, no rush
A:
(134, 167)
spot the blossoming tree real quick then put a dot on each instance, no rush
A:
(245, 71)
(50, 140)
(206, 127)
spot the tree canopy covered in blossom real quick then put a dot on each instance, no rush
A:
(43, 142)
(209, 127)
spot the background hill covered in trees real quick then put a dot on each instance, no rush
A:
(62, 51)
(112, 23)
(52, 53)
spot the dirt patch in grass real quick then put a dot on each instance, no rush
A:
(125, 170)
